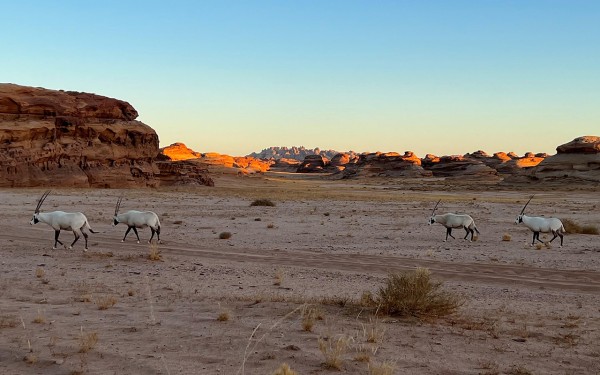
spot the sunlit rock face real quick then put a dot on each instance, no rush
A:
(66, 138)
(578, 159)
(72, 139)
(179, 151)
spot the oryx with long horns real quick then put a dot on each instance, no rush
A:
(451, 221)
(137, 219)
(541, 225)
(59, 220)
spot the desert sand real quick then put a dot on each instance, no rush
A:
(112, 310)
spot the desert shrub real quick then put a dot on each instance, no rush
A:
(506, 237)
(105, 302)
(224, 316)
(87, 341)
(154, 253)
(285, 369)
(225, 235)
(263, 202)
(334, 350)
(385, 368)
(415, 294)
(572, 227)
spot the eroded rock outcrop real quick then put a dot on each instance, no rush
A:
(578, 159)
(179, 151)
(461, 166)
(67, 138)
(390, 164)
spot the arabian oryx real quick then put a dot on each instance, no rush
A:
(541, 224)
(59, 220)
(137, 219)
(451, 221)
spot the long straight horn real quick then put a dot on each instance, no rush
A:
(118, 205)
(434, 208)
(523, 210)
(41, 201)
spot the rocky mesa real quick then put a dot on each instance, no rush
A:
(74, 139)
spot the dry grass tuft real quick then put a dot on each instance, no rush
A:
(285, 369)
(263, 202)
(39, 318)
(87, 341)
(506, 237)
(309, 316)
(30, 359)
(225, 235)
(573, 227)
(224, 316)
(539, 246)
(384, 368)
(105, 302)
(279, 276)
(334, 350)
(154, 253)
(415, 294)
(39, 272)
(373, 332)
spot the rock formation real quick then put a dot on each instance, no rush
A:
(461, 166)
(179, 151)
(67, 138)
(389, 164)
(578, 159)
(297, 153)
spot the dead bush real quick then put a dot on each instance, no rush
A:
(573, 227)
(263, 202)
(415, 294)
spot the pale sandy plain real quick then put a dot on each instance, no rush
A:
(527, 311)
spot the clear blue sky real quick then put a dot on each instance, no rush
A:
(442, 77)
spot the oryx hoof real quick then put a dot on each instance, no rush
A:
(138, 241)
(122, 240)
(53, 247)
(159, 241)
(85, 250)
(70, 248)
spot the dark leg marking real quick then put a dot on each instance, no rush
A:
(85, 236)
(126, 233)
(136, 234)
(76, 238)
(449, 233)
(56, 240)
(152, 235)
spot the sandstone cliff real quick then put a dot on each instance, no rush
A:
(67, 138)
(578, 159)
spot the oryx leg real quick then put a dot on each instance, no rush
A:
(136, 234)
(152, 235)
(126, 233)
(75, 240)
(471, 231)
(158, 233)
(85, 236)
(56, 240)
(557, 234)
(449, 233)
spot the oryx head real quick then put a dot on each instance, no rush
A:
(118, 206)
(520, 217)
(35, 219)
(432, 218)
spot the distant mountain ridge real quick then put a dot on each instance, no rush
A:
(294, 152)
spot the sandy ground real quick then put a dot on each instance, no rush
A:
(527, 310)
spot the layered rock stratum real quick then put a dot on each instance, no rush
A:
(578, 159)
(74, 139)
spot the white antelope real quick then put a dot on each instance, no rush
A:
(137, 219)
(541, 224)
(59, 220)
(451, 221)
